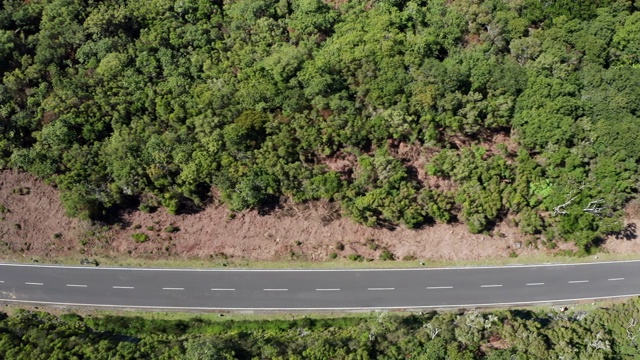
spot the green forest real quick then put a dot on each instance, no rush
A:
(516, 334)
(525, 109)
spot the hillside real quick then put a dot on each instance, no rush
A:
(401, 114)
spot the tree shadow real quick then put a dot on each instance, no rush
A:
(629, 232)
(269, 205)
(115, 215)
(412, 173)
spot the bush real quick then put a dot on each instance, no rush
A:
(356, 257)
(387, 255)
(140, 237)
(171, 229)
(22, 191)
(339, 246)
(333, 256)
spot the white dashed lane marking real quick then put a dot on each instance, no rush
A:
(616, 279)
(380, 289)
(77, 285)
(123, 287)
(327, 289)
(578, 281)
(33, 283)
(439, 287)
(170, 288)
(490, 286)
(275, 289)
(221, 289)
(534, 284)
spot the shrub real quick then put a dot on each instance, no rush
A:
(409, 258)
(171, 229)
(387, 255)
(22, 190)
(355, 257)
(333, 256)
(339, 246)
(140, 237)
(371, 243)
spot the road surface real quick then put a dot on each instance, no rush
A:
(217, 289)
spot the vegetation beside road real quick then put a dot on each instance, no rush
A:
(330, 264)
(584, 332)
(404, 112)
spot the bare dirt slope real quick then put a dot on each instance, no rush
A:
(36, 226)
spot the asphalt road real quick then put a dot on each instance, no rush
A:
(215, 289)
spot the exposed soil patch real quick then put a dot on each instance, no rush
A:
(629, 241)
(34, 221)
(296, 231)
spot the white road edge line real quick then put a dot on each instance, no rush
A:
(578, 281)
(380, 289)
(327, 289)
(172, 288)
(93, 268)
(123, 287)
(457, 306)
(220, 289)
(616, 279)
(534, 284)
(275, 289)
(32, 283)
(77, 285)
(439, 287)
(490, 286)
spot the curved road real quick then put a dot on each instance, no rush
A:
(216, 289)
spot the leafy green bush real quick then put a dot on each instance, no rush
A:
(140, 237)
(386, 255)
(355, 257)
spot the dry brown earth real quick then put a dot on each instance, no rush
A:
(36, 227)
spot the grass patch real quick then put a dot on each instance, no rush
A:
(118, 259)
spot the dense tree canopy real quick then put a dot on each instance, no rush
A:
(524, 105)
(551, 333)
